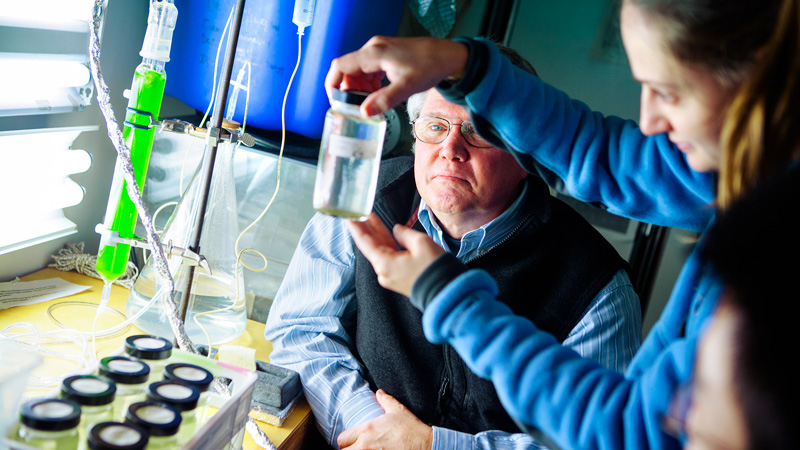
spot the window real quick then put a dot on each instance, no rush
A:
(44, 61)
(34, 180)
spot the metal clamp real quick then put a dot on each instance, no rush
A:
(112, 238)
(213, 136)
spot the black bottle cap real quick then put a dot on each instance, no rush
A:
(117, 436)
(183, 397)
(52, 414)
(350, 96)
(157, 419)
(88, 390)
(190, 374)
(144, 346)
(124, 370)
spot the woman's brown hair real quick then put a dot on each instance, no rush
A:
(761, 134)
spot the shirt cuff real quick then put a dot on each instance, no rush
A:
(446, 439)
(434, 278)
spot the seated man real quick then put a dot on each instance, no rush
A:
(744, 394)
(349, 338)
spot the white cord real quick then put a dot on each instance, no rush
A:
(239, 253)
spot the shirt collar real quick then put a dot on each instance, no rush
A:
(481, 240)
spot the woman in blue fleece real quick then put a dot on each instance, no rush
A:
(719, 87)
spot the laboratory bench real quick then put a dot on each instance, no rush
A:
(297, 426)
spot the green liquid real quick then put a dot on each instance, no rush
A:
(147, 92)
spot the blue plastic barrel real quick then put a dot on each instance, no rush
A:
(268, 40)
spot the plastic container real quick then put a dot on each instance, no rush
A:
(268, 40)
(349, 158)
(160, 421)
(16, 364)
(95, 395)
(152, 350)
(196, 376)
(182, 397)
(117, 436)
(130, 377)
(49, 424)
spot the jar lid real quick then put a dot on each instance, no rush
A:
(88, 390)
(190, 374)
(352, 97)
(52, 414)
(157, 419)
(117, 436)
(144, 346)
(124, 370)
(182, 397)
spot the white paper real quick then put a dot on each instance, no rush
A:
(18, 293)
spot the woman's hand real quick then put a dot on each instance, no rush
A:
(410, 64)
(397, 268)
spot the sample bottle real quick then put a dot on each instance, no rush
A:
(349, 158)
(154, 351)
(96, 397)
(182, 397)
(217, 299)
(196, 376)
(144, 105)
(49, 424)
(160, 421)
(130, 377)
(116, 436)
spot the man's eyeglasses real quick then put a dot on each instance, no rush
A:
(434, 130)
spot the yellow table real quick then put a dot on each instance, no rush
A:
(288, 437)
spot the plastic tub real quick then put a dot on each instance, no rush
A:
(16, 364)
(268, 40)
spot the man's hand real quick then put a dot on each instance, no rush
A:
(397, 429)
(410, 64)
(397, 269)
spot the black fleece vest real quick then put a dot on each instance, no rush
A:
(548, 270)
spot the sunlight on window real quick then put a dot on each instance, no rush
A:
(34, 180)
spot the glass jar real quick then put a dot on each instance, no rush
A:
(130, 377)
(160, 421)
(50, 424)
(155, 351)
(182, 397)
(96, 397)
(196, 376)
(116, 436)
(349, 158)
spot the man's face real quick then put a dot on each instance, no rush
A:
(716, 419)
(461, 182)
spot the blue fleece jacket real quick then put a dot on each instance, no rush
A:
(606, 161)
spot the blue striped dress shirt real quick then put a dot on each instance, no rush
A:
(316, 302)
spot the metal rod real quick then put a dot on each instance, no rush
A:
(208, 162)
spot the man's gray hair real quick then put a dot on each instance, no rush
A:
(417, 101)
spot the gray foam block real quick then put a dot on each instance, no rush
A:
(276, 386)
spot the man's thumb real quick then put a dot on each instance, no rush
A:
(387, 402)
